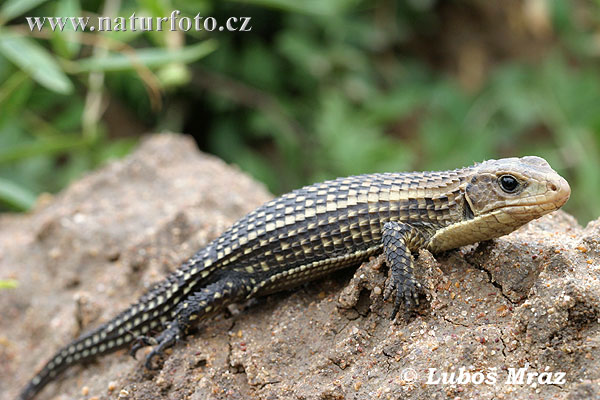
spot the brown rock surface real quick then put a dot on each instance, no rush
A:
(530, 298)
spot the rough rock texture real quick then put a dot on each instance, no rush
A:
(530, 300)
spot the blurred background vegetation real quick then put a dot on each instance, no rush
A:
(317, 89)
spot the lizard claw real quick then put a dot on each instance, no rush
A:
(141, 341)
(165, 340)
(408, 292)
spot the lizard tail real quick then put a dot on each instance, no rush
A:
(86, 347)
(146, 316)
(151, 312)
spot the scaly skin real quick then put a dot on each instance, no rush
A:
(312, 231)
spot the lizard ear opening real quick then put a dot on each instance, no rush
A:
(467, 210)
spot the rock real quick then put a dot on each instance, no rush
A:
(528, 300)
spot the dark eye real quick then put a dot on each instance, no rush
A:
(508, 183)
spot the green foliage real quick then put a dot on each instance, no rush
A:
(317, 89)
(50, 127)
(35, 61)
(149, 58)
(8, 284)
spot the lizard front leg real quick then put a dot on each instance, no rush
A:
(396, 240)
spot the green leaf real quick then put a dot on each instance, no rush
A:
(8, 284)
(150, 58)
(14, 94)
(14, 82)
(14, 8)
(64, 42)
(156, 8)
(36, 61)
(310, 7)
(40, 147)
(16, 196)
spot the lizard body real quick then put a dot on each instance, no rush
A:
(315, 230)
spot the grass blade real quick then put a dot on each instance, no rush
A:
(150, 58)
(41, 147)
(8, 284)
(14, 8)
(16, 196)
(36, 61)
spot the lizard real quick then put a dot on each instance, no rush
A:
(312, 231)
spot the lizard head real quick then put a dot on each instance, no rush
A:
(499, 197)
(514, 190)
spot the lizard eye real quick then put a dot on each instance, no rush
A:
(508, 183)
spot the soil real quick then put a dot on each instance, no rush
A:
(523, 306)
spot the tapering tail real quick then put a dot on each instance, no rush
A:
(90, 345)
(151, 312)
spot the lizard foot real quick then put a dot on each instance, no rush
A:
(142, 341)
(408, 292)
(165, 340)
